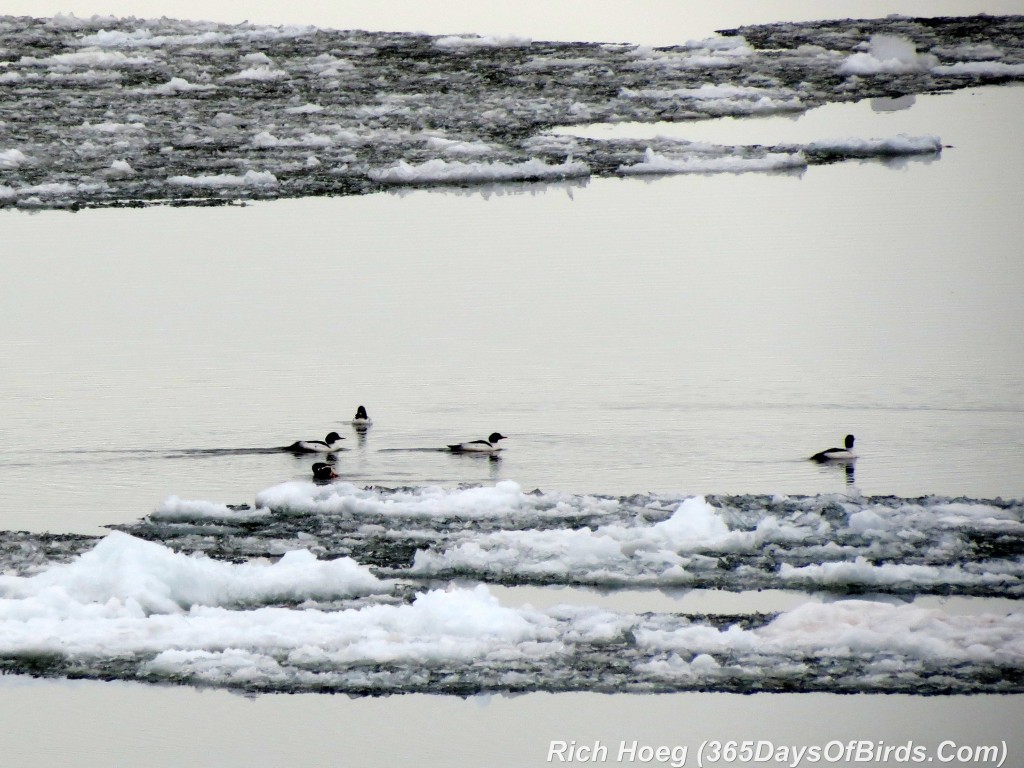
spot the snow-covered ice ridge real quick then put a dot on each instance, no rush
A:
(111, 111)
(135, 610)
(839, 543)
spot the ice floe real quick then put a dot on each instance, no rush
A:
(135, 610)
(214, 113)
(838, 543)
(292, 593)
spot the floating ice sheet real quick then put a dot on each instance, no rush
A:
(839, 543)
(134, 610)
(108, 111)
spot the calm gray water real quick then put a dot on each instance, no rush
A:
(120, 724)
(696, 333)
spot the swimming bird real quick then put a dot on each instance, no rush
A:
(323, 471)
(837, 454)
(329, 444)
(490, 445)
(362, 418)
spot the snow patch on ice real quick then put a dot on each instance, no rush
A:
(260, 73)
(175, 509)
(454, 147)
(128, 577)
(863, 573)
(655, 163)
(663, 553)
(304, 109)
(226, 180)
(12, 158)
(724, 99)
(853, 628)
(711, 53)
(980, 69)
(87, 58)
(486, 41)
(176, 86)
(888, 54)
(504, 498)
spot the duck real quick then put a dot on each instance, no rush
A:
(490, 445)
(837, 454)
(362, 418)
(329, 444)
(323, 471)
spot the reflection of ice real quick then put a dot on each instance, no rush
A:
(453, 172)
(893, 104)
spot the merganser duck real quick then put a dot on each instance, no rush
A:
(490, 445)
(362, 419)
(837, 454)
(323, 471)
(329, 444)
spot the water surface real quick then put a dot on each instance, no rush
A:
(698, 333)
